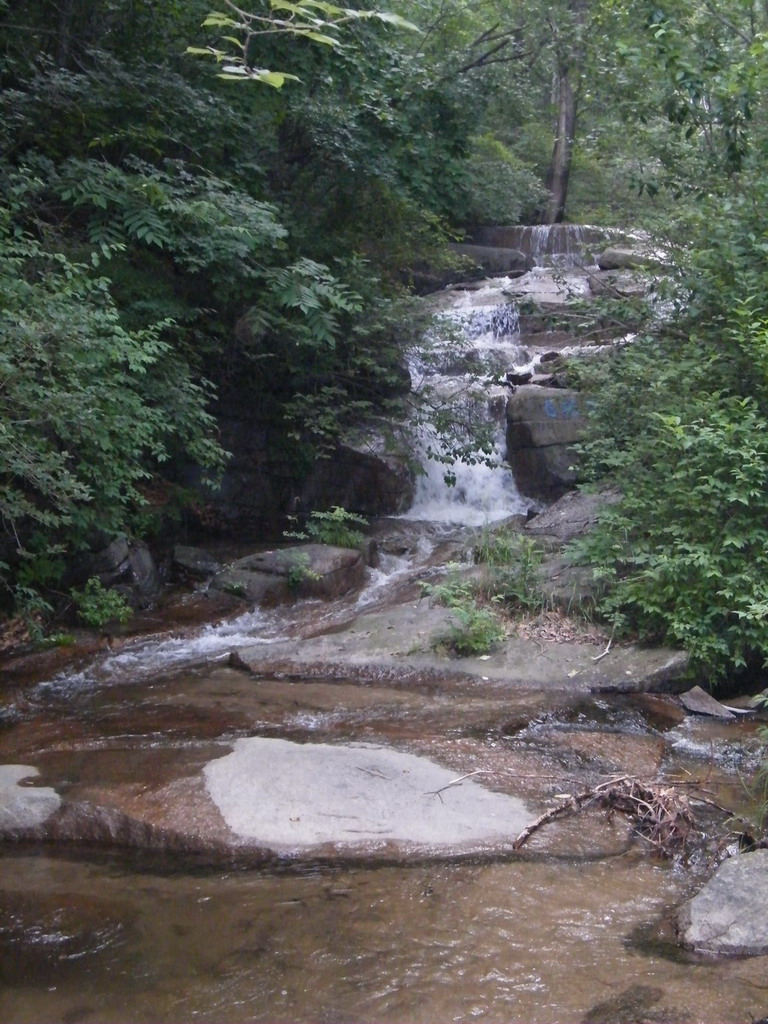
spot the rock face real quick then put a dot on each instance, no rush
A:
(622, 258)
(369, 473)
(194, 563)
(305, 570)
(542, 425)
(129, 567)
(570, 517)
(728, 915)
(363, 475)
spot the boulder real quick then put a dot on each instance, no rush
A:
(727, 916)
(305, 570)
(568, 586)
(699, 702)
(194, 563)
(618, 284)
(622, 258)
(492, 261)
(129, 566)
(570, 517)
(542, 425)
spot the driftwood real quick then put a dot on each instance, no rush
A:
(662, 813)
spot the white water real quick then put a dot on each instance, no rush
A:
(145, 657)
(472, 493)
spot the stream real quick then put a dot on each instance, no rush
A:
(577, 927)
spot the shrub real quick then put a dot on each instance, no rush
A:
(98, 605)
(477, 629)
(335, 526)
(685, 553)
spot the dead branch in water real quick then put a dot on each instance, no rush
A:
(661, 813)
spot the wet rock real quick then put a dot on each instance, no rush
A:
(194, 563)
(24, 807)
(699, 702)
(727, 916)
(542, 425)
(491, 260)
(621, 258)
(260, 799)
(397, 646)
(618, 284)
(306, 570)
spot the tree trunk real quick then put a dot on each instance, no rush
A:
(562, 151)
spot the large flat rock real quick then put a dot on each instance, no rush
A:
(256, 800)
(396, 646)
(359, 797)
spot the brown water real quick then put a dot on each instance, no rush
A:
(535, 940)
(578, 927)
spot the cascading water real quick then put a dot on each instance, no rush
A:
(561, 244)
(481, 488)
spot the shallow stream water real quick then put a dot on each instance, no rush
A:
(576, 927)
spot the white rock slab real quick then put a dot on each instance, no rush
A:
(291, 796)
(728, 915)
(24, 806)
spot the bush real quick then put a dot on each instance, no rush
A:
(335, 526)
(97, 605)
(685, 553)
(89, 410)
(500, 188)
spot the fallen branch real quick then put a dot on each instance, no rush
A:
(455, 782)
(607, 649)
(660, 813)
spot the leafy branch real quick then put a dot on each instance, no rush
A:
(314, 20)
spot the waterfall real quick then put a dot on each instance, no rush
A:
(564, 244)
(476, 492)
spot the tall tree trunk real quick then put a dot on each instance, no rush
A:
(562, 151)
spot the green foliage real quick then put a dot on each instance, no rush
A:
(88, 410)
(685, 552)
(512, 568)
(499, 187)
(299, 571)
(33, 609)
(335, 526)
(97, 606)
(314, 20)
(477, 629)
